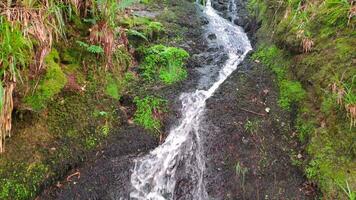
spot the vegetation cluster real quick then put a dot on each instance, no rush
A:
(312, 53)
(64, 68)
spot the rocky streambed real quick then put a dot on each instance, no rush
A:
(246, 148)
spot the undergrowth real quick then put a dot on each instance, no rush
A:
(149, 112)
(313, 59)
(165, 64)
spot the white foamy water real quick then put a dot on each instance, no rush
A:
(154, 175)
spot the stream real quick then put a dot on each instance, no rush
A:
(155, 175)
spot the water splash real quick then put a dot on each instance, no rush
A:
(154, 176)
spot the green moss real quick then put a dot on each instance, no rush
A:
(50, 85)
(305, 129)
(167, 61)
(290, 92)
(90, 143)
(23, 182)
(149, 111)
(113, 87)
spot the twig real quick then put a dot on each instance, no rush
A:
(260, 114)
(75, 174)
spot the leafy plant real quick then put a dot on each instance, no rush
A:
(91, 48)
(167, 61)
(252, 126)
(132, 32)
(241, 172)
(348, 191)
(113, 87)
(290, 92)
(149, 111)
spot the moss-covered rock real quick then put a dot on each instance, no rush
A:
(51, 84)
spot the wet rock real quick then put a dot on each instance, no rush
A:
(204, 21)
(241, 21)
(212, 36)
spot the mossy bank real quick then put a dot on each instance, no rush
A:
(310, 46)
(100, 77)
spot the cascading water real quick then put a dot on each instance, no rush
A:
(154, 175)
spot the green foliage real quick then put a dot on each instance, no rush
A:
(164, 63)
(348, 191)
(252, 126)
(14, 187)
(241, 172)
(15, 48)
(290, 92)
(108, 9)
(91, 142)
(149, 111)
(335, 13)
(142, 27)
(50, 85)
(350, 92)
(113, 87)
(329, 26)
(91, 48)
(305, 129)
(132, 32)
(272, 57)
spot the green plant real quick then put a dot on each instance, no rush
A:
(149, 112)
(113, 87)
(51, 84)
(241, 172)
(15, 48)
(132, 32)
(348, 191)
(167, 61)
(350, 101)
(90, 142)
(290, 92)
(336, 13)
(107, 10)
(91, 48)
(252, 126)
(305, 129)
(272, 57)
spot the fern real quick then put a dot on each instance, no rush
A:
(132, 32)
(91, 48)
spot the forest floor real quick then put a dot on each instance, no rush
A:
(250, 152)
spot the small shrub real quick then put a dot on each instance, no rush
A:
(290, 92)
(167, 61)
(149, 111)
(91, 48)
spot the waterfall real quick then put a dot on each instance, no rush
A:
(154, 175)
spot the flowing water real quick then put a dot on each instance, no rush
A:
(155, 175)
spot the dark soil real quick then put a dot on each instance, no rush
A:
(262, 149)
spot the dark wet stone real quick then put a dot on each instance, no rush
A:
(212, 37)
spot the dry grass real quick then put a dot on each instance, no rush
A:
(33, 24)
(307, 44)
(6, 113)
(101, 33)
